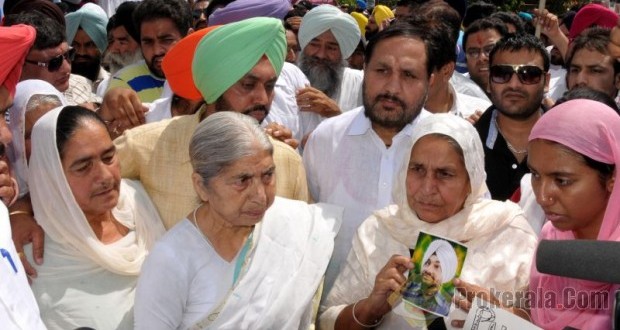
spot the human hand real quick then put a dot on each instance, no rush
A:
(25, 230)
(313, 100)
(8, 186)
(294, 22)
(122, 109)
(390, 279)
(614, 43)
(550, 25)
(468, 292)
(280, 132)
(473, 118)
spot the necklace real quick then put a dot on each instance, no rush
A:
(510, 146)
(200, 230)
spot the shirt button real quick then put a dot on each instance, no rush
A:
(514, 166)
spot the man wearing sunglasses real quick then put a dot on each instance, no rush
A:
(199, 14)
(518, 80)
(50, 59)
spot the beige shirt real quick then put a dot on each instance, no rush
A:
(157, 154)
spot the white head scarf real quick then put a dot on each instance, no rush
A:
(473, 221)
(327, 17)
(17, 114)
(447, 258)
(62, 219)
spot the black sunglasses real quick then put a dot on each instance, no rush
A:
(55, 63)
(197, 12)
(527, 74)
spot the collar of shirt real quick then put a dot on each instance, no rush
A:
(361, 124)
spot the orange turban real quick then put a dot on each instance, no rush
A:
(15, 43)
(177, 65)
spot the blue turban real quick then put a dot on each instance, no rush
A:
(93, 20)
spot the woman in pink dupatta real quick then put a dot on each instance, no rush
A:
(581, 133)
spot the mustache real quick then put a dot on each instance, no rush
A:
(258, 107)
(83, 57)
(390, 97)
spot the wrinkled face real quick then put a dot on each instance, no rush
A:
(157, 36)
(515, 99)
(595, 70)
(58, 78)
(395, 82)
(479, 45)
(92, 169)
(241, 193)
(6, 100)
(30, 118)
(252, 94)
(431, 276)
(569, 191)
(324, 47)
(292, 47)
(437, 180)
(120, 42)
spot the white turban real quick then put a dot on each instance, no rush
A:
(327, 17)
(447, 258)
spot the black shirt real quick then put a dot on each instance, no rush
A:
(504, 172)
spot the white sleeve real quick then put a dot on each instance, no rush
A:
(162, 291)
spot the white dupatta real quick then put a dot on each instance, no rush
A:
(62, 219)
(292, 247)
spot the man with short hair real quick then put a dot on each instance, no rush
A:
(50, 58)
(350, 159)
(161, 24)
(590, 64)
(199, 14)
(518, 79)
(478, 41)
(86, 33)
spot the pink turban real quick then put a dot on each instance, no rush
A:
(15, 43)
(592, 15)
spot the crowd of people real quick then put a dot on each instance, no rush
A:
(272, 164)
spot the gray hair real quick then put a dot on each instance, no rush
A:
(38, 100)
(223, 138)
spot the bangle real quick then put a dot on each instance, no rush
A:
(362, 324)
(18, 212)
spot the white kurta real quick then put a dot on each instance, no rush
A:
(18, 308)
(347, 164)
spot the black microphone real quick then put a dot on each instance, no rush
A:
(591, 260)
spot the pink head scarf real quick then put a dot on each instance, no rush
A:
(598, 137)
(15, 43)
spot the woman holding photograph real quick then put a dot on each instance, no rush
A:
(440, 189)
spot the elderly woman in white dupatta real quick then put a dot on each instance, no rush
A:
(98, 227)
(441, 191)
(244, 259)
(33, 99)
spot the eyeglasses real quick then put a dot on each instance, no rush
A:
(474, 53)
(527, 74)
(197, 12)
(55, 63)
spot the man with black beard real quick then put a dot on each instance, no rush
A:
(351, 159)
(328, 37)
(518, 79)
(86, 33)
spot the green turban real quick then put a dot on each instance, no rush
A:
(228, 53)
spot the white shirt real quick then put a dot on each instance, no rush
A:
(184, 268)
(284, 109)
(348, 165)
(465, 105)
(557, 82)
(463, 84)
(18, 308)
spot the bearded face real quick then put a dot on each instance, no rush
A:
(323, 74)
